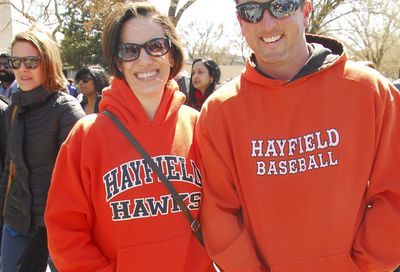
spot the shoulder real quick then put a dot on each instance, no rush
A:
(66, 101)
(365, 77)
(225, 92)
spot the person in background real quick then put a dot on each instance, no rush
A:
(72, 90)
(107, 210)
(38, 121)
(203, 81)
(91, 80)
(301, 154)
(8, 85)
(183, 80)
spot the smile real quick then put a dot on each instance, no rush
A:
(272, 39)
(147, 75)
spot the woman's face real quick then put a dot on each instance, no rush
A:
(201, 78)
(146, 75)
(27, 79)
(86, 85)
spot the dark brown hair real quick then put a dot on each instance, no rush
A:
(116, 21)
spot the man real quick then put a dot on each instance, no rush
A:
(301, 154)
(8, 85)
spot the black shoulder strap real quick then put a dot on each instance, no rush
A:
(194, 224)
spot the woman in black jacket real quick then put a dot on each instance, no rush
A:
(38, 121)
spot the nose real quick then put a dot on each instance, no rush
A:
(143, 56)
(268, 20)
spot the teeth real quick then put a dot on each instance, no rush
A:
(146, 75)
(271, 39)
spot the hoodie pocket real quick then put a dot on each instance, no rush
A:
(167, 255)
(342, 262)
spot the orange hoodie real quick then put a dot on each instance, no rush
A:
(107, 210)
(303, 175)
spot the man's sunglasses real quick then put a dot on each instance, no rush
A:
(6, 65)
(31, 62)
(253, 12)
(155, 47)
(84, 78)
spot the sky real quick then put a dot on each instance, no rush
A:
(202, 11)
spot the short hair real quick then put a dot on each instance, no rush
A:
(99, 76)
(52, 74)
(115, 22)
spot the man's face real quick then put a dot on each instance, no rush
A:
(277, 42)
(6, 73)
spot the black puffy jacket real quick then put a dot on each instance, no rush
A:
(41, 124)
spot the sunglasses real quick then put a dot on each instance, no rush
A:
(31, 62)
(155, 47)
(253, 12)
(84, 78)
(6, 65)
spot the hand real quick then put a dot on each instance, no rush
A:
(34, 258)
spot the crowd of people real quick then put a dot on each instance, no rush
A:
(290, 166)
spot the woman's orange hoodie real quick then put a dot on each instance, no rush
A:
(107, 210)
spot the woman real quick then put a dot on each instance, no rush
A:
(203, 82)
(39, 120)
(91, 80)
(107, 210)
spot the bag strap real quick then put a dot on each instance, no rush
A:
(194, 224)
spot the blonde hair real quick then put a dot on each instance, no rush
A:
(52, 75)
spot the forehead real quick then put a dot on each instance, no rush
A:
(140, 30)
(199, 65)
(23, 49)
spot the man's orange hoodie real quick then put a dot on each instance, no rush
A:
(107, 210)
(303, 176)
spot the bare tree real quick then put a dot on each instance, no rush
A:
(174, 13)
(202, 39)
(325, 12)
(373, 30)
(45, 12)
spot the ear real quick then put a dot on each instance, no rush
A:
(307, 9)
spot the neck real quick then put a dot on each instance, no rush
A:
(202, 90)
(91, 102)
(151, 103)
(288, 69)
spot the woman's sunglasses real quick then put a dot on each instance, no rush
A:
(31, 62)
(253, 12)
(155, 47)
(84, 78)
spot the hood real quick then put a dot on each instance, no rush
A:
(119, 99)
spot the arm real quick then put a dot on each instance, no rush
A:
(69, 214)
(227, 240)
(72, 112)
(377, 244)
